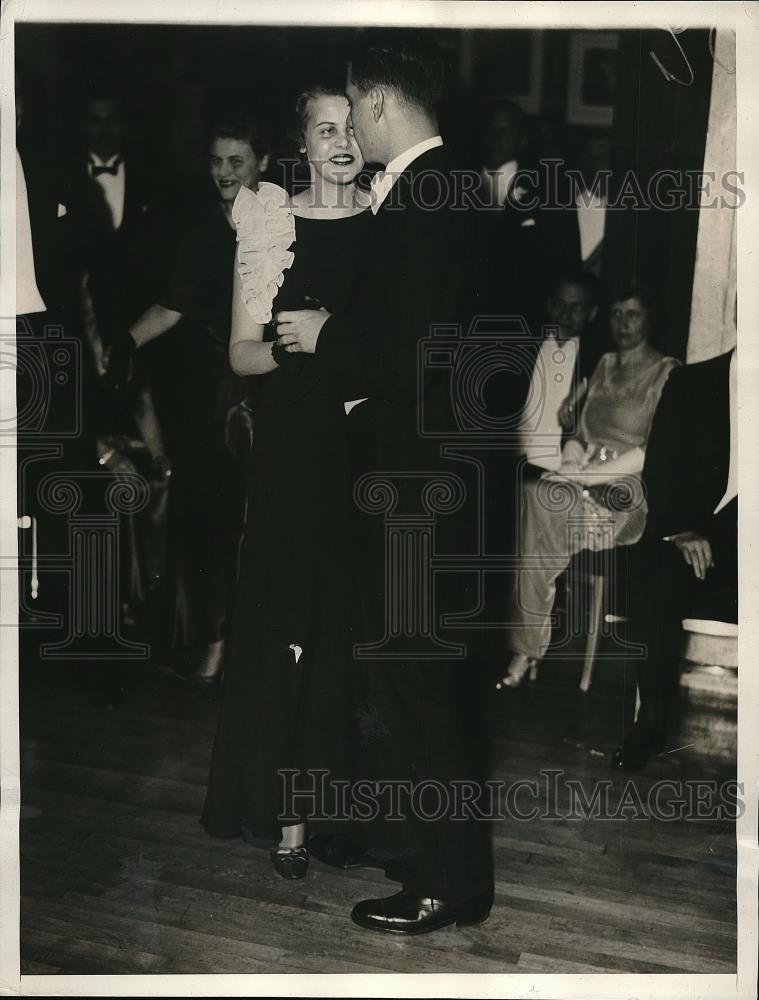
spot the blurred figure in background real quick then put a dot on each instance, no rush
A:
(202, 404)
(119, 215)
(119, 218)
(686, 563)
(573, 220)
(507, 204)
(562, 364)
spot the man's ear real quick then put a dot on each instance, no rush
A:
(377, 102)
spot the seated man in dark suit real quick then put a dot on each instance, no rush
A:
(687, 558)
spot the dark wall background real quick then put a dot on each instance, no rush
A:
(174, 76)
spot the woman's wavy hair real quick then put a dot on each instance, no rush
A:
(315, 89)
(239, 124)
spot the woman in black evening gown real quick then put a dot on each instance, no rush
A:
(196, 393)
(285, 700)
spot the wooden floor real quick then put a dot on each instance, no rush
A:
(118, 876)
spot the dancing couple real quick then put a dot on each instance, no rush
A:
(335, 288)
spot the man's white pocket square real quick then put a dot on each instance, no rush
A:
(526, 223)
(61, 211)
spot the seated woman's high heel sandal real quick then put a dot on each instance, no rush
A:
(518, 669)
(289, 862)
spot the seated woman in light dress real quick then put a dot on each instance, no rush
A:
(595, 499)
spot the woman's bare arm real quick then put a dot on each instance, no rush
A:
(154, 322)
(248, 354)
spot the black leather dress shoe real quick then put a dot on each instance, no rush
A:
(342, 851)
(405, 913)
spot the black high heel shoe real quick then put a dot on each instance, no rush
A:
(289, 862)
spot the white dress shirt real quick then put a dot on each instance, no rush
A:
(550, 384)
(112, 184)
(28, 298)
(382, 182)
(498, 182)
(731, 490)
(591, 219)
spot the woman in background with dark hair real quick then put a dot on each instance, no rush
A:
(595, 499)
(286, 684)
(199, 402)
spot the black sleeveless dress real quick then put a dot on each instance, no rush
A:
(284, 708)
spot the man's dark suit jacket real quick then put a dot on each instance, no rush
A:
(412, 720)
(126, 266)
(688, 452)
(509, 251)
(558, 222)
(418, 272)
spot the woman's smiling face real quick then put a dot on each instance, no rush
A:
(234, 165)
(328, 140)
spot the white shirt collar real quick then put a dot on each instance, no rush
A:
(382, 182)
(98, 162)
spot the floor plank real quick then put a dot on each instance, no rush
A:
(119, 877)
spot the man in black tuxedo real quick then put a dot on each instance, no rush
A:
(572, 218)
(512, 274)
(687, 559)
(413, 716)
(120, 222)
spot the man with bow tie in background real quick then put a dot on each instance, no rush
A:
(508, 199)
(120, 222)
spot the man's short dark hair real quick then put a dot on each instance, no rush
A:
(579, 277)
(408, 62)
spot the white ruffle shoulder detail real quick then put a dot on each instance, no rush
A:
(265, 231)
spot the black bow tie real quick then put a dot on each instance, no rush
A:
(112, 170)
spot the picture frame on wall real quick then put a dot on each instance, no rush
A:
(592, 77)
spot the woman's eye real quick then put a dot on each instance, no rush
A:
(328, 131)
(349, 130)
